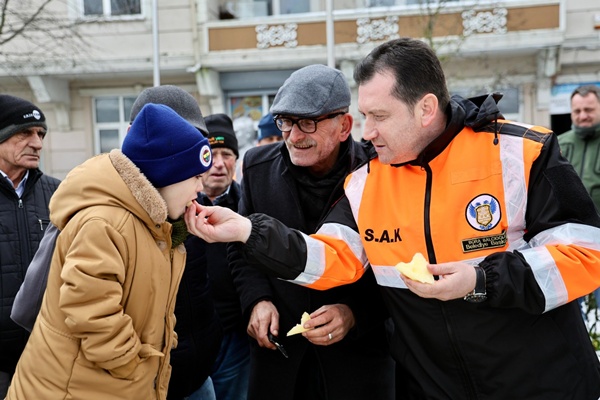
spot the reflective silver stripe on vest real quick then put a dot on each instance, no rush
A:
(389, 277)
(536, 254)
(355, 188)
(544, 266)
(515, 190)
(315, 255)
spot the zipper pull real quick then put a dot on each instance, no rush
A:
(20, 203)
(41, 226)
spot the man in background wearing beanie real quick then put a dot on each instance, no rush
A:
(297, 181)
(231, 369)
(24, 196)
(267, 131)
(106, 326)
(198, 328)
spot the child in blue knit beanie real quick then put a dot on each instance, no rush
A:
(106, 325)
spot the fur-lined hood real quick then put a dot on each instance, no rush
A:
(109, 180)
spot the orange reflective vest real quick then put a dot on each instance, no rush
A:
(515, 207)
(458, 208)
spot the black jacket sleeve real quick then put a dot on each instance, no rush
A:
(556, 196)
(251, 284)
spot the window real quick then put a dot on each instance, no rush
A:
(381, 3)
(423, 3)
(246, 110)
(111, 8)
(111, 120)
(259, 8)
(293, 6)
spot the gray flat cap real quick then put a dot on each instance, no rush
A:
(174, 97)
(312, 91)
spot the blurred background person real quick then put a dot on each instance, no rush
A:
(246, 136)
(581, 145)
(231, 369)
(268, 131)
(24, 196)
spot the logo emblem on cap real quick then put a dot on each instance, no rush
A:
(35, 114)
(205, 155)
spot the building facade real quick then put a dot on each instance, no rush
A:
(233, 56)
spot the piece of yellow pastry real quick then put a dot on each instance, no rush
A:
(299, 328)
(416, 269)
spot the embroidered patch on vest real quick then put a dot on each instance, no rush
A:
(483, 212)
(485, 242)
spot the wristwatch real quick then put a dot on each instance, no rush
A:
(478, 294)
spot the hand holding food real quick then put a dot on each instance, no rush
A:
(416, 269)
(299, 328)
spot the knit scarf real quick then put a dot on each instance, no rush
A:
(179, 232)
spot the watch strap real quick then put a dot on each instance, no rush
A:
(478, 294)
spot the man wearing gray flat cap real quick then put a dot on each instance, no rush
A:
(345, 356)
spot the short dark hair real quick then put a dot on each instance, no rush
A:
(584, 90)
(415, 66)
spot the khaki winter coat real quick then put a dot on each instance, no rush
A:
(105, 329)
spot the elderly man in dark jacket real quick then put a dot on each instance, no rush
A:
(297, 181)
(24, 196)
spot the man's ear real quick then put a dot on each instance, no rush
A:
(347, 123)
(426, 109)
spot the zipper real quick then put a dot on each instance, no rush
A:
(427, 214)
(462, 368)
(585, 146)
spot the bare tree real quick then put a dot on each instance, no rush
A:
(441, 29)
(37, 34)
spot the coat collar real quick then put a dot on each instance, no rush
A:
(141, 188)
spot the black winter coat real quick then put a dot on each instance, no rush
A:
(359, 367)
(207, 307)
(223, 291)
(22, 225)
(199, 332)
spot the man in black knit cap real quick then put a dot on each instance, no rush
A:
(24, 196)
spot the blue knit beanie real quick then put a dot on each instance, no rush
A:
(165, 147)
(267, 127)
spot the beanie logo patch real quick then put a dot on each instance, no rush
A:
(35, 114)
(216, 140)
(205, 156)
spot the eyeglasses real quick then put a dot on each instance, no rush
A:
(306, 125)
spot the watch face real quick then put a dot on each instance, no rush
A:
(475, 297)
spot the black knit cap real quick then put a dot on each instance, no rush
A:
(17, 114)
(221, 133)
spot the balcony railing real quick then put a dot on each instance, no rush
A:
(481, 24)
